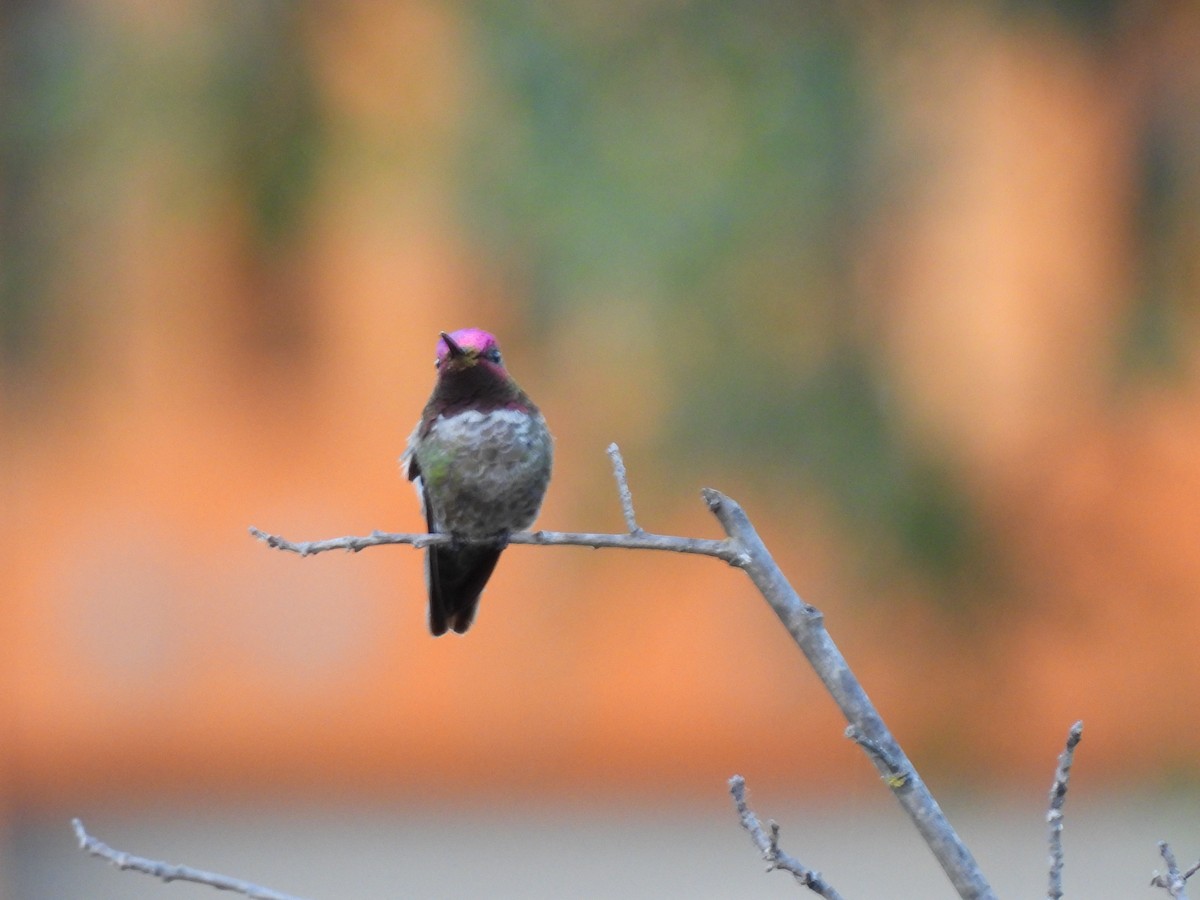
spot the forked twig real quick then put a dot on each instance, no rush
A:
(769, 845)
(1172, 881)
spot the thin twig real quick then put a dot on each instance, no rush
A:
(618, 464)
(168, 872)
(769, 845)
(1173, 881)
(726, 550)
(1058, 797)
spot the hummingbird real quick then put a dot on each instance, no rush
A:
(480, 460)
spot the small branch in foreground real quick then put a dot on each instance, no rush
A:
(769, 845)
(626, 495)
(168, 872)
(1058, 797)
(1173, 881)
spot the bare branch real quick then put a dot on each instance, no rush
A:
(726, 550)
(168, 872)
(806, 625)
(1173, 881)
(769, 845)
(744, 549)
(1058, 797)
(618, 464)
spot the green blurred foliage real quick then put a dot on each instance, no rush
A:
(226, 102)
(42, 108)
(647, 150)
(270, 133)
(1092, 18)
(1166, 220)
(1166, 226)
(269, 119)
(712, 162)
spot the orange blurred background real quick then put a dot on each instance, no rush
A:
(918, 288)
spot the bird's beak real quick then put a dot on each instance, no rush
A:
(455, 350)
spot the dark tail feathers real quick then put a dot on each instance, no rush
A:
(456, 577)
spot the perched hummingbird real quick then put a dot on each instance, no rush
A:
(480, 460)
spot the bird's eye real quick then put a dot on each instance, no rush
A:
(493, 355)
(437, 363)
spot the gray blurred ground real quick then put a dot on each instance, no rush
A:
(347, 853)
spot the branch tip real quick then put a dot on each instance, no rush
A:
(1054, 816)
(623, 492)
(712, 498)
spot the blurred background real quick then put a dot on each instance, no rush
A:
(917, 284)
